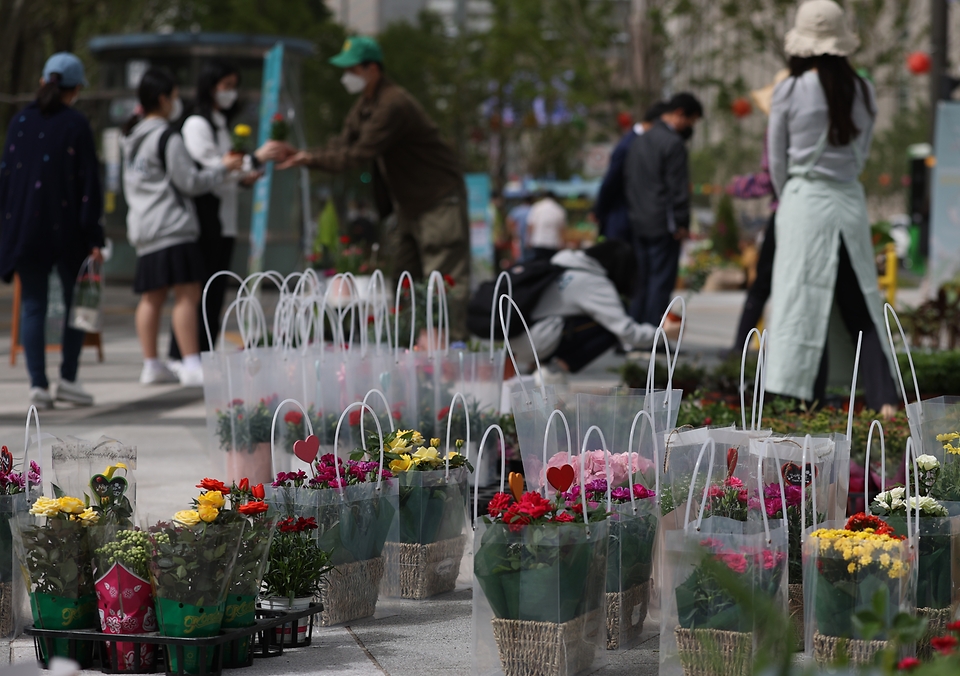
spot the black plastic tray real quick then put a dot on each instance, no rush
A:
(225, 645)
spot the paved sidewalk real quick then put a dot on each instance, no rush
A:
(167, 424)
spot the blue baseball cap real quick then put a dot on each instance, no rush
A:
(68, 66)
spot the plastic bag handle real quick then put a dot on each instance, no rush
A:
(763, 500)
(336, 321)
(405, 275)
(513, 358)
(556, 413)
(503, 467)
(502, 277)
(466, 415)
(650, 386)
(759, 382)
(866, 465)
(203, 301)
(887, 311)
(379, 310)
(254, 312)
(853, 388)
(443, 320)
(273, 431)
(352, 307)
(656, 458)
(911, 454)
(693, 480)
(813, 486)
(583, 487)
(386, 404)
(32, 411)
(606, 460)
(336, 441)
(671, 364)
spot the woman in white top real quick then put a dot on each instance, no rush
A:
(821, 122)
(206, 135)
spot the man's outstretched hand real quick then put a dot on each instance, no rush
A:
(298, 159)
(275, 151)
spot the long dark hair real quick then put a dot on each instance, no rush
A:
(50, 95)
(839, 81)
(210, 75)
(618, 260)
(154, 83)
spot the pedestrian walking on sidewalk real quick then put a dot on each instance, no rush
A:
(50, 217)
(207, 138)
(821, 123)
(658, 197)
(159, 178)
(415, 173)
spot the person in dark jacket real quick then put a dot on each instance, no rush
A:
(657, 183)
(50, 217)
(610, 209)
(415, 172)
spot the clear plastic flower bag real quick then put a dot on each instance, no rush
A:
(86, 313)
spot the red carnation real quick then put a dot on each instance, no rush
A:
(344, 239)
(908, 663)
(254, 507)
(293, 417)
(499, 503)
(534, 505)
(213, 485)
(944, 644)
(562, 517)
(278, 117)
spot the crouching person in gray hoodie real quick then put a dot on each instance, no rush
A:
(159, 178)
(581, 315)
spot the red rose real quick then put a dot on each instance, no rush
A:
(396, 415)
(344, 239)
(534, 505)
(562, 517)
(278, 117)
(258, 492)
(708, 421)
(405, 284)
(944, 644)
(449, 281)
(443, 412)
(354, 418)
(214, 485)
(499, 503)
(514, 519)
(253, 507)
(908, 663)
(293, 417)
(244, 484)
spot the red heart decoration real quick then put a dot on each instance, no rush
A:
(561, 478)
(307, 449)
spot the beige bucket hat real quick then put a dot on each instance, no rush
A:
(820, 29)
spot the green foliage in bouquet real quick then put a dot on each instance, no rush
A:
(705, 601)
(129, 548)
(56, 553)
(191, 562)
(243, 427)
(297, 562)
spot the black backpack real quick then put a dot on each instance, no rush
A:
(529, 281)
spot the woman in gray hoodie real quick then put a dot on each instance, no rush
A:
(158, 179)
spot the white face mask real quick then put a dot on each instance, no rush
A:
(354, 84)
(176, 111)
(225, 98)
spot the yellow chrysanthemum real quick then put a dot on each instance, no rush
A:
(187, 517)
(71, 505)
(852, 568)
(212, 498)
(47, 507)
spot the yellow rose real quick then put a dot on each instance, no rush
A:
(88, 516)
(399, 445)
(212, 498)
(187, 517)
(45, 507)
(207, 512)
(242, 130)
(402, 464)
(452, 454)
(71, 505)
(425, 454)
(435, 443)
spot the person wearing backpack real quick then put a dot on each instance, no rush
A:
(206, 136)
(159, 178)
(579, 314)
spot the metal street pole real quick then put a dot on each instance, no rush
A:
(938, 59)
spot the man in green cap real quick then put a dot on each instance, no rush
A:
(415, 172)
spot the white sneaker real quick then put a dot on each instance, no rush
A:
(191, 376)
(154, 374)
(175, 365)
(73, 393)
(41, 398)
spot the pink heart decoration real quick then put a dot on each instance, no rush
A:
(561, 477)
(307, 449)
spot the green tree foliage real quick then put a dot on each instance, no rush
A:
(726, 232)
